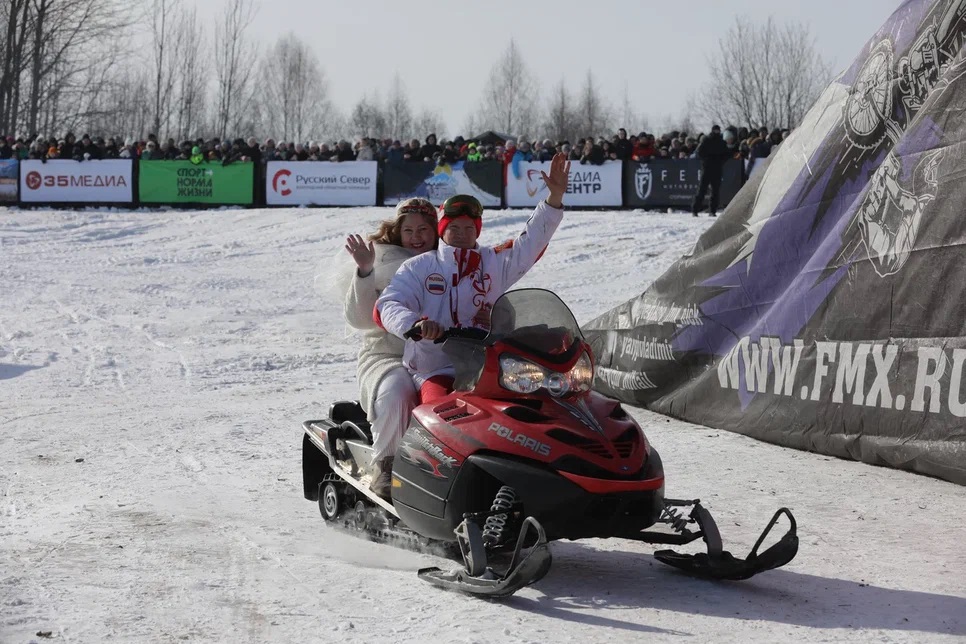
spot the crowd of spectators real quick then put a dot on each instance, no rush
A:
(745, 143)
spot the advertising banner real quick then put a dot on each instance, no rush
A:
(8, 180)
(174, 182)
(482, 179)
(672, 183)
(590, 185)
(66, 181)
(321, 183)
(825, 309)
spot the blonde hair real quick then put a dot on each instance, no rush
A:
(390, 230)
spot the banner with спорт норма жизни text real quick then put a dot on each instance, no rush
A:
(173, 182)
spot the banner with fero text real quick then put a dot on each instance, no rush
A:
(67, 181)
(8, 180)
(672, 183)
(171, 182)
(590, 185)
(321, 183)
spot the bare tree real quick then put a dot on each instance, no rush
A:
(763, 75)
(191, 82)
(367, 118)
(509, 103)
(15, 19)
(164, 33)
(429, 121)
(293, 90)
(234, 60)
(594, 115)
(631, 118)
(54, 50)
(399, 115)
(561, 122)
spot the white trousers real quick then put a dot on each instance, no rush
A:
(395, 398)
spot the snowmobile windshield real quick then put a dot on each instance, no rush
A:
(538, 322)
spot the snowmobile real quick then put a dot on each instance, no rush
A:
(521, 453)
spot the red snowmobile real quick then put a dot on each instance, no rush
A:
(523, 452)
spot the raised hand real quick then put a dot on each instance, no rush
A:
(363, 253)
(557, 180)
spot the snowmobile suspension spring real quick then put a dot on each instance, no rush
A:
(673, 518)
(495, 524)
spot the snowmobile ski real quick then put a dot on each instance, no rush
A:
(528, 564)
(718, 563)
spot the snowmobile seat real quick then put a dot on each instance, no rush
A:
(350, 415)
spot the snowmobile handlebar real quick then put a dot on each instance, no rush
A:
(469, 333)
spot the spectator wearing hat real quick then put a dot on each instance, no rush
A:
(473, 155)
(427, 152)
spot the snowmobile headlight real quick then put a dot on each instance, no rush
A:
(581, 377)
(521, 376)
(557, 383)
(526, 377)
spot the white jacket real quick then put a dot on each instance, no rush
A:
(381, 352)
(457, 288)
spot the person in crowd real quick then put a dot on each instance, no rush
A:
(449, 153)
(547, 150)
(6, 147)
(730, 136)
(386, 390)
(457, 285)
(591, 153)
(644, 149)
(509, 149)
(395, 154)
(610, 150)
(431, 148)
(521, 154)
(344, 152)
(109, 150)
(474, 155)
(269, 153)
(66, 147)
(151, 152)
(129, 150)
(86, 150)
(197, 155)
(623, 145)
(713, 152)
(365, 152)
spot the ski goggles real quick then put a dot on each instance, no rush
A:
(462, 205)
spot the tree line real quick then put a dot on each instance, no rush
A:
(122, 68)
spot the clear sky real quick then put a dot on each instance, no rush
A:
(443, 50)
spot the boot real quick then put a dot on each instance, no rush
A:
(381, 472)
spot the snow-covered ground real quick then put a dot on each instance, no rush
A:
(154, 371)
